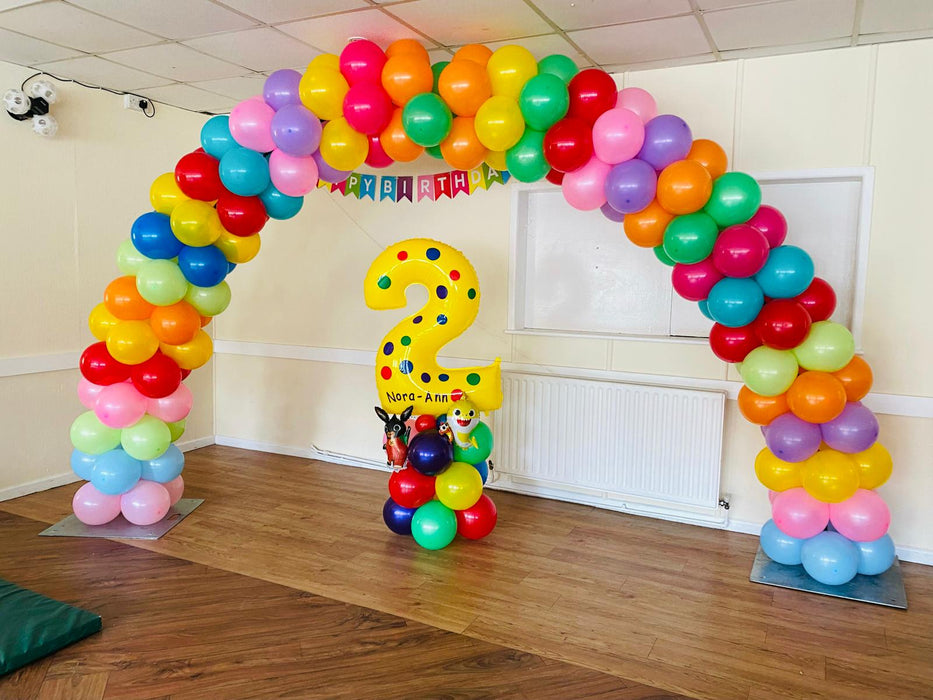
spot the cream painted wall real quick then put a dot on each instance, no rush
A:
(67, 202)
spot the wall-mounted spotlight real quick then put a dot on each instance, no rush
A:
(34, 106)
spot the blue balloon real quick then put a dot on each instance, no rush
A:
(397, 518)
(203, 267)
(704, 309)
(830, 558)
(152, 236)
(278, 205)
(483, 469)
(216, 139)
(875, 557)
(115, 472)
(430, 452)
(230, 267)
(165, 467)
(782, 548)
(244, 172)
(787, 272)
(82, 464)
(735, 301)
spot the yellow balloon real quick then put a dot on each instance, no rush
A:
(101, 321)
(499, 123)
(322, 90)
(459, 486)
(509, 68)
(191, 355)
(238, 249)
(196, 223)
(132, 342)
(874, 466)
(830, 476)
(775, 473)
(496, 160)
(342, 147)
(325, 60)
(165, 194)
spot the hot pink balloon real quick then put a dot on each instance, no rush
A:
(694, 282)
(88, 392)
(584, 188)
(618, 135)
(367, 108)
(92, 507)
(294, 176)
(377, 157)
(146, 503)
(862, 518)
(362, 61)
(798, 514)
(771, 223)
(173, 407)
(740, 251)
(639, 101)
(175, 488)
(120, 405)
(251, 125)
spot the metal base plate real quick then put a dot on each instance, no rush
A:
(883, 589)
(121, 528)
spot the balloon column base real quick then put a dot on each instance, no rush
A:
(883, 589)
(121, 528)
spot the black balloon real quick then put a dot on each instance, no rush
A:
(430, 452)
(397, 518)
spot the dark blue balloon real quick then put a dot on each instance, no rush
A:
(430, 452)
(230, 267)
(483, 469)
(397, 518)
(152, 236)
(203, 267)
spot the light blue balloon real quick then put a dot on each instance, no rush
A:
(244, 172)
(875, 557)
(115, 472)
(216, 139)
(830, 558)
(165, 467)
(787, 272)
(82, 464)
(735, 301)
(779, 547)
(278, 205)
(483, 469)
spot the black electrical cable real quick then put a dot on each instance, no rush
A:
(149, 110)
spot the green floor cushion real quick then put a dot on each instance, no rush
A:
(33, 626)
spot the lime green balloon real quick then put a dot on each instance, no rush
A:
(426, 119)
(129, 259)
(437, 69)
(434, 525)
(177, 429)
(735, 199)
(544, 101)
(769, 372)
(209, 301)
(828, 347)
(662, 256)
(480, 449)
(690, 238)
(161, 282)
(558, 64)
(89, 435)
(459, 486)
(525, 160)
(146, 439)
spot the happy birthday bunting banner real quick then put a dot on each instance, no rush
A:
(395, 188)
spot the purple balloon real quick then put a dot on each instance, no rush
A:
(853, 430)
(328, 173)
(630, 186)
(296, 131)
(792, 439)
(611, 213)
(667, 139)
(281, 88)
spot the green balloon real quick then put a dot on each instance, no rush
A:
(690, 238)
(146, 439)
(209, 301)
(525, 160)
(735, 199)
(434, 525)
(828, 347)
(434, 152)
(426, 119)
(89, 435)
(161, 282)
(436, 68)
(558, 64)
(544, 101)
(177, 429)
(475, 454)
(662, 256)
(769, 372)
(129, 259)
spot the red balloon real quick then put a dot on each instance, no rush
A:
(740, 251)
(568, 145)
(592, 92)
(694, 282)
(241, 216)
(425, 422)
(771, 223)
(554, 176)
(818, 299)
(157, 377)
(782, 324)
(410, 488)
(99, 367)
(377, 156)
(198, 176)
(185, 373)
(733, 344)
(478, 520)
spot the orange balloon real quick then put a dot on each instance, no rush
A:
(176, 324)
(464, 85)
(395, 141)
(462, 149)
(400, 47)
(759, 409)
(816, 397)
(473, 52)
(123, 300)
(710, 155)
(684, 187)
(205, 320)
(856, 378)
(646, 227)
(406, 75)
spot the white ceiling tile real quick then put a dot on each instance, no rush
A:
(330, 33)
(176, 62)
(70, 26)
(792, 22)
(26, 51)
(596, 13)
(96, 71)
(457, 22)
(722, 4)
(273, 11)
(188, 97)
(544, 45)
(785, 49)
(885, 37)
(8, 4)
(173, 19)
(662, 63)
(241, 88)
(435, 55)
(895, 15)
(639, 42)
(258, 49)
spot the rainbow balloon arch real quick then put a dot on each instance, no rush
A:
(607, 149)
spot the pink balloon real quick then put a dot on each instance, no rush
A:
(772, 494)
(694, 282)
(175, 488)
(584, 188)
(367, 108)
(88, 392)
(639, 101)
(862, 518)
(618, 135)
(146, 503)
(770, 222)
(119, 405)
(362, 61)
(740, 251)
(251, 125)
(294, 176)
(173, 407)
(92, 507)
(377, 157)
(798, 514)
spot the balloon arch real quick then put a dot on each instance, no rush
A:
(606, 149)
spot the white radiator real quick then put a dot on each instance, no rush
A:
(648, 450)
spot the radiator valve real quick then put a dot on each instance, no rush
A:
(723, 503)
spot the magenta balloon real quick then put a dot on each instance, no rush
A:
(296, 130)
(631, 186)
(667, 139)
(792, 439)
(584, 188)
(327, 172)
(693, 282)
(771, 223)
(378, 158)
(740, 251)
(294, 176)
(864, 517)
(798, 514)
(639, 101)
(367, 108)
(361, 61)
(853, 430)
(618, 135)
(281, 88)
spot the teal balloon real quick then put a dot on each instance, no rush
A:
(735, 301)
(662, 256)
(787, 272)
(559, 65)
(434, 525)
(161, 282)
(544, 101)
(91, 436)
(437, 69)
(280, 206)
(480, 449)
(525, 160)
(244, 171)
(434, 152)
(735, 199)
(769, 372)
(147, 439)
(129, 260)
(690, 238)
(216, 138)
(115, 472)
(426, 119)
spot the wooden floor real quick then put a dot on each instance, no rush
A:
(561, 601)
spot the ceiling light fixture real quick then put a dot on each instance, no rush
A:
(34, 105)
